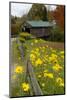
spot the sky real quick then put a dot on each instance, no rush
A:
(19, 9)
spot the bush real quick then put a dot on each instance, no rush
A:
(25, 35)
(22, 39)
(56, 35)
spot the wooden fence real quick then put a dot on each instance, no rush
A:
(30, 73)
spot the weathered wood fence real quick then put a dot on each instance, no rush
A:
(30, 73)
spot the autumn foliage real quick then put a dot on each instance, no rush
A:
(58, 15)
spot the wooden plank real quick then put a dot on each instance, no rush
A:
(35, 85)
(20, 48)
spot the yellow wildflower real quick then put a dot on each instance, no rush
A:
(43, 84)
(32, 56)
(32, 51)
(19, 69)
(62, 56)
(49, 75)
(25, 87)
(38, 62)
(37, 49)
(37, 53)
(61, 84)
(53, 57)
(60, 81)
(57, 67)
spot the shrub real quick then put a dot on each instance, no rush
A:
(22, 39)
(25, 35)
(56, 35)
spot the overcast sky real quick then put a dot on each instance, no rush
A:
(19, 9)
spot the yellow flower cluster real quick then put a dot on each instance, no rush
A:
(25, 87)
(19, 69)
(32, 56)
(60, 81)
(57, 67)
(38, 62)
(49, 75)
(53, 57)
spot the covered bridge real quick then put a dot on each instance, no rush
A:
(38, 28)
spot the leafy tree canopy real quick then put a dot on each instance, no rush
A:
(38, 12)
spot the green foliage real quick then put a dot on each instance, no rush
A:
(15, 25)
(38, 12)
(24, 36)
(22, 39)
(56, 35)
(14, 29)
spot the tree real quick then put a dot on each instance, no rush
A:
(38, 12)
(58, 15)
(15, 25)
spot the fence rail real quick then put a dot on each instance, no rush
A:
(36, 88)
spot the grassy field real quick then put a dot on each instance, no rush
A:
(47, 60)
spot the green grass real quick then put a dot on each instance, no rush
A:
(17, 78)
